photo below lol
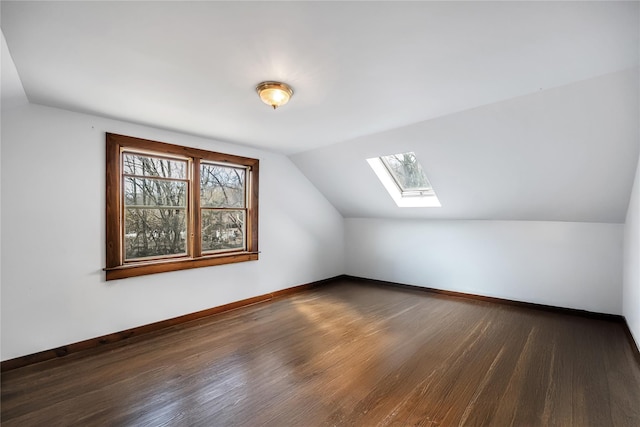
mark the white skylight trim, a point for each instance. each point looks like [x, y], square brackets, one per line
[423, 200]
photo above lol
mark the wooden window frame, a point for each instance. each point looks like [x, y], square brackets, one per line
[116, 267]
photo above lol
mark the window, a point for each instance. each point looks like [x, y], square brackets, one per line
[173, 208]
[405, 181]
[407, 174]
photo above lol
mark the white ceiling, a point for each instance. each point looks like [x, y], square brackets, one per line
[357, 68]
[517, 110]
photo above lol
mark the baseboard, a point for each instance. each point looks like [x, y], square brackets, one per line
[555, 309]
[632, 342]
[635, 349]
[121, 337]
[140, 331]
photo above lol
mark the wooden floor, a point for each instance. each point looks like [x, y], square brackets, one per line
[346, 354]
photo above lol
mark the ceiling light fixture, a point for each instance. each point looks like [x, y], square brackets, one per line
[275, 94]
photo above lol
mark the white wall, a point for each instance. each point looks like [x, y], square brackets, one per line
[574, 265]
[53, 235]
[631, 289]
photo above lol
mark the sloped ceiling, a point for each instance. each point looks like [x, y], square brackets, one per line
[517, 110]
[564, 154]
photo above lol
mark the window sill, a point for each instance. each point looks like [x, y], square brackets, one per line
[152, 267]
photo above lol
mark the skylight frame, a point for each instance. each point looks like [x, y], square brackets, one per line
[411, 191]
[403, 198]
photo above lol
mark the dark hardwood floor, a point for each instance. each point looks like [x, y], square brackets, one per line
[349, 353]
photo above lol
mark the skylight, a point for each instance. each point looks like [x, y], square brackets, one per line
[405, 180]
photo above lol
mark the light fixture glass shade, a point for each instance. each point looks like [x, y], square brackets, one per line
[274, 94]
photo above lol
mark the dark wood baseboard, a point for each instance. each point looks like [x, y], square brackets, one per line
[632, 342]
[347, 353]
[571, 311]
[139, 331]
[121, 337]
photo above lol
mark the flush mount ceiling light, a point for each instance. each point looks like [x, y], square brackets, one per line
[274, 94]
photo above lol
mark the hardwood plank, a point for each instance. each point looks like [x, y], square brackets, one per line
[348, 353]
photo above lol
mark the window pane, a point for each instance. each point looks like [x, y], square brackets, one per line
[154, 232]
[136, 164]
[154, 192]
[407, 171]
[222, 230]
[222, 186]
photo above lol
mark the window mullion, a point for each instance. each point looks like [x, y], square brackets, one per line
[248, 209]
[196, 224]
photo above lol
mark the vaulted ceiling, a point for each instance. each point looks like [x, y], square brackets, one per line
[517, 110]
